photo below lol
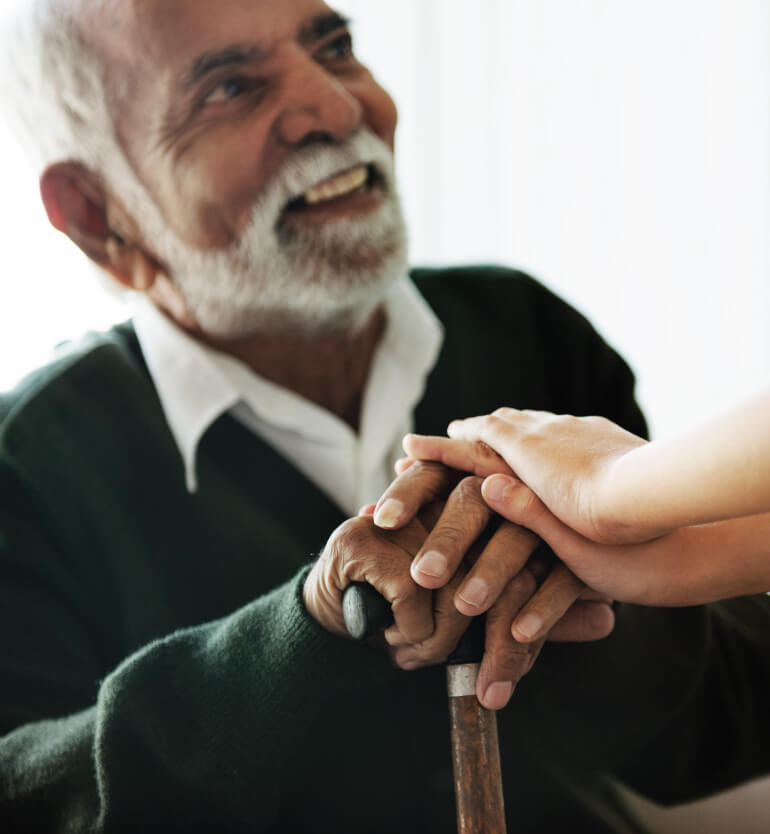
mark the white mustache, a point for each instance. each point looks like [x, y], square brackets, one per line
[310, 166]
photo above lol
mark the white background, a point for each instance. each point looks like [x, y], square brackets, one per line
[619, 150]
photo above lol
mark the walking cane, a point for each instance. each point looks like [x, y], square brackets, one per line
[473, 729]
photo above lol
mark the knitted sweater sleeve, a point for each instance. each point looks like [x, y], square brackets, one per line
[181, 735]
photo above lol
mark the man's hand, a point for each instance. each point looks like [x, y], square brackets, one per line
[502, 579]
[427, 625]
[358, 551]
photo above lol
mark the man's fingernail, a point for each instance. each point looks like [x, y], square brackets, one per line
[498, 694]
[529, 625]
[389, 513]
[474, 592]
[432, 563]
[495, 487]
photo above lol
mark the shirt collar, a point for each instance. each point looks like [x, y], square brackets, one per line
[192, 389]
[196, 384]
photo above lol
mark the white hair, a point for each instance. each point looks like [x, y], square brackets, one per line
[57, 100]
[53, 87]
[329, 276]
[62, 110]
[54, 93]
[53, 97]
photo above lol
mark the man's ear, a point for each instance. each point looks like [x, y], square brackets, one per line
[77, 205]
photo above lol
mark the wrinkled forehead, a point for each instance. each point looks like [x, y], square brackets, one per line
[157, 41]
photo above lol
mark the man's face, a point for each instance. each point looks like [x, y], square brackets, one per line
[231, 114]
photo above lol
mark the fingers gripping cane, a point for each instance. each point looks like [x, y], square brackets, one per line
[473, 729]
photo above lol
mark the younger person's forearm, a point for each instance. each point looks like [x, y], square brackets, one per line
[716, 561]
[689, 566]
[717, 471]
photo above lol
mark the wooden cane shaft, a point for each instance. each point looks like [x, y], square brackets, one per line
[475, 756]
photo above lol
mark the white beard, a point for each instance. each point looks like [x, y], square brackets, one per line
[309, 280]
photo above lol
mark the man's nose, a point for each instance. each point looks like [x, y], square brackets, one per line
[318, 105]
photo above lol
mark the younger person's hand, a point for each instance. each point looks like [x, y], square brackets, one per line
[569, 463]
[689, 566]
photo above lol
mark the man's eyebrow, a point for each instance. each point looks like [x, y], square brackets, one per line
[230, 56]
[236, 54]
[321, 26]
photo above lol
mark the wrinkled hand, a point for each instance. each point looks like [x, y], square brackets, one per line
[499, 576]
[567, 461]
[427, 626]
[357, 551]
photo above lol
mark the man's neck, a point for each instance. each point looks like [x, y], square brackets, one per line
[329, 369]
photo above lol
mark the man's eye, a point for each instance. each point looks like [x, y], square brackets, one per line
[340, 48]
[227, 90]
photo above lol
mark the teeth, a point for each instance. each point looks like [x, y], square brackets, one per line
[337, 186]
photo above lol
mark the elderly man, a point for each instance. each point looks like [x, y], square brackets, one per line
[169, 659]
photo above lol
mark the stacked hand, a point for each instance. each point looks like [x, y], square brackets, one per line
[622, 514]
[608, 504]
[570, 463]
[428, 548]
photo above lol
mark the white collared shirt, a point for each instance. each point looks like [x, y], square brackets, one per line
[197, 384]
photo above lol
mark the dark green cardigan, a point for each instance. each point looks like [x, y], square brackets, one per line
[159, 673]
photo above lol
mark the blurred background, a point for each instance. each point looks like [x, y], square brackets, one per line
[617, 150]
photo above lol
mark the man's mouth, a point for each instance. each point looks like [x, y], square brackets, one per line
[344, 185]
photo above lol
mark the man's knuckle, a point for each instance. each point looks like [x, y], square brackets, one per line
[448, 537]
[495, 564]
[510, 658]
[356, 534]
[516, 593]
[467, 502]
[470, 487]
[407, 594]
[526, 582]
[426, 470]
